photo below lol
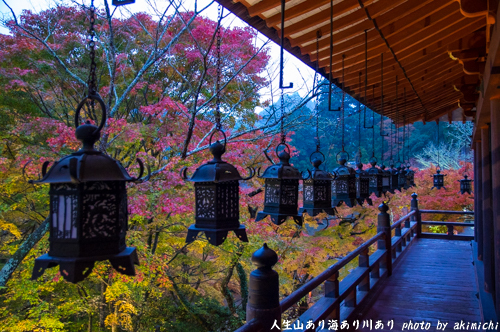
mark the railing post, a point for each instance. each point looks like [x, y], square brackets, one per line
[263, 291]
[332, 290]
[364, 261]
[450, 230]
[400, 245]
[384, 225]
[417, 216]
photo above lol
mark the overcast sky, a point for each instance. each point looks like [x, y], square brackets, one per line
[295, 71]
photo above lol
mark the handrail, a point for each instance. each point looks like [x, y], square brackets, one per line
[447, 223]
[446, 212]
[291, 299]
[253, 325]
[341, 298]
[400, 221]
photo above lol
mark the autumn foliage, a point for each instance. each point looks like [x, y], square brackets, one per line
[163, 114]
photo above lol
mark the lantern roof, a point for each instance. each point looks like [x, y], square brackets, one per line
[216, 170]
[87, 164]
[343, 169]
[318, 174]
[282, 170]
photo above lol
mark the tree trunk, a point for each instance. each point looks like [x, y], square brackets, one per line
[23, 250]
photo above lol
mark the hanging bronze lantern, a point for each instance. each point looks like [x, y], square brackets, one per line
[386, 179]
[376, 178]
[344, 184]
[281, 190]
[317, 194]
[438, 179]
[466, 185]
[401, 176]
[362, 185]
[410, 176]
[393, 178]
[217, 197]
[88, 208]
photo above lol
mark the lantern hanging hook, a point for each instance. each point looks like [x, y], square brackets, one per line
[317, 152]
[282, 86]
[93, 97]
[223, 135]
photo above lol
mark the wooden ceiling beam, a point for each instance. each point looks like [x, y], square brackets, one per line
[446, 37]
[388, 22]
[403, 51]
[376, 8]
[264, 6]
[389, 75]
[417, 79]
[305, 7]
[339, 24]
[397, 28]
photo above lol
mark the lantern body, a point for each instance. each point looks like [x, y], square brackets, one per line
[438, 180]
[386, 180]
[217, 199]
[401, 178]
[376, 179]
[87, 219]
[317, 192]
[362, 186]
[281, 192]
[393, 179]
[344, 185]
[465, 185]
[410, 177]
[88, 212]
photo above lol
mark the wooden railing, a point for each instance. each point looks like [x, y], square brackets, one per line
[341, 297]
[450, 226]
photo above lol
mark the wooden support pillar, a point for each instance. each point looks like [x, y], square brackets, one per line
[478, 200]
[263, 291]
[495, 177]
[384, 225]
[488, 258]
[416, 216]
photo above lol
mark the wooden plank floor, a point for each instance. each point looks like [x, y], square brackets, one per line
[434, 281]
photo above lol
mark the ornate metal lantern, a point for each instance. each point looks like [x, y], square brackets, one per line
[88, 209]
[386, 179]
[344, 184]
[376, 178]
[410, 176]
[401, 177]
[438, 179]
[362, 185]
[393, 178]
[217, 197]
[466, 185]
[317, 192]
[281, 190]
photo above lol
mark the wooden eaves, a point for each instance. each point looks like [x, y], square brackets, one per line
[436, 48]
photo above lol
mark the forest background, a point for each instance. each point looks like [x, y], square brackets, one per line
[156, 72]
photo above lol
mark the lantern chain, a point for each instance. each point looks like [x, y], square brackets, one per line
[91, 44]
[318, 142]
[218, 125]
[359, 115]
[438, 145]
[343, 97]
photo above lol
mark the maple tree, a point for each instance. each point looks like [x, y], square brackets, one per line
[157, 77]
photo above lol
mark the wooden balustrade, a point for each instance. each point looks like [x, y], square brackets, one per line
[342, 297]
[450, 226]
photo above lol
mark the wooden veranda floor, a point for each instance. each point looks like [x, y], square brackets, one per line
[434, 281]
